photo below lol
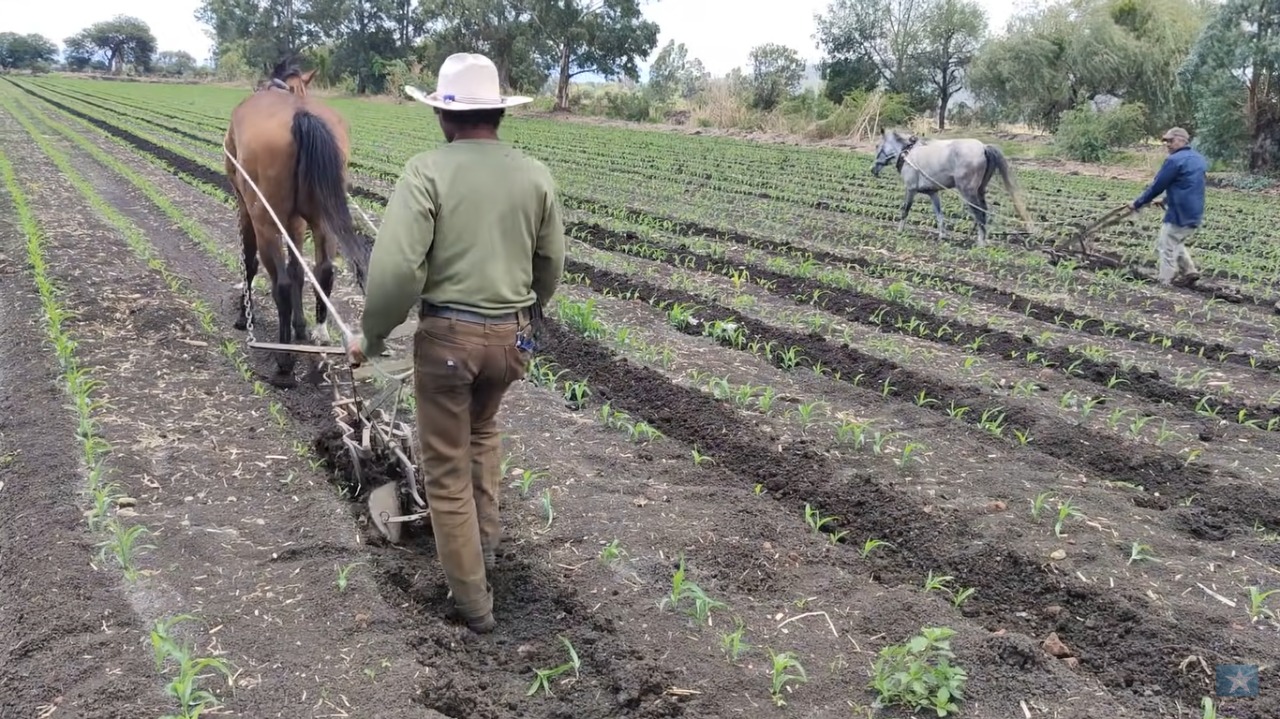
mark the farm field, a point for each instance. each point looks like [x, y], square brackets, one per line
[765, 437]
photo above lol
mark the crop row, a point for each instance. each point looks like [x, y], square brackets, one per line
[122, 541]
[802, 178]
[1033, 275]
[931, 543]
[1197, 401]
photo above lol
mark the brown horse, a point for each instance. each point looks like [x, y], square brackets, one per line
[295, 150]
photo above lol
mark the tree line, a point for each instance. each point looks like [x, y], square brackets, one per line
[1100, 72]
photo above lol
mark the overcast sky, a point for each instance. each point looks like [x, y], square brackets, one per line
[719, 32]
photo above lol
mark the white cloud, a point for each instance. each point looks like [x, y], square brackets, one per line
[719, 32]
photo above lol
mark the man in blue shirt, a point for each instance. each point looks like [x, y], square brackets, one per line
[1182, 178]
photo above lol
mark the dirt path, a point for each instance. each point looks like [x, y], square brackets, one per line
[593, 540]
[69, 636]
[247, 535]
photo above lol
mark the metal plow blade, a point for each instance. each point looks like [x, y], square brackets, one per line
[382, 449]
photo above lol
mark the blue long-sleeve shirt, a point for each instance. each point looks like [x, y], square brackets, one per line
[1182, 178]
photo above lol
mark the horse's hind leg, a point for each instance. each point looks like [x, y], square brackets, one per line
[249, 242]
[324, 272]
[276, 261]
[977, 204]
[283, 291]
[906, 209]
[297, 278]
[937, 211]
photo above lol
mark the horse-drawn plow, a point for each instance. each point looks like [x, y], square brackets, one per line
[379, 446]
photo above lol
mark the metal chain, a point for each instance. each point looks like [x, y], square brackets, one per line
[248, 311]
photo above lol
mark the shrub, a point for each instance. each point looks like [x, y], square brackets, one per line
[864, 113]
[1090, 135]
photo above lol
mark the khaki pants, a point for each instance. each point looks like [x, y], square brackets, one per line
[462, 370]
[1171, 249]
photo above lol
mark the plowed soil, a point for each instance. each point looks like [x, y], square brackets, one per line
[255, 526]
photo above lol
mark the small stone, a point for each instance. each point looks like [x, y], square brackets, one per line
[996, 506]
[126, 502]
[1071, 662]
[1058, 555]
[1055, 646]
[1053, 610]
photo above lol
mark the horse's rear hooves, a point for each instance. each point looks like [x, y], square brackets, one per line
[283, 380]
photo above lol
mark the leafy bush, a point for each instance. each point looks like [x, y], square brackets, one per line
[1090, 136]
[868, 112]
[919, 673]
[810, 105]
[627, 105]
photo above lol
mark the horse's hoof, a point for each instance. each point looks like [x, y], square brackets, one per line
[320, 335]
[314, 375]
[241, 324]
[283, 379]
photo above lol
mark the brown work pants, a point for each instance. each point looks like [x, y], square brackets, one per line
[463, 369]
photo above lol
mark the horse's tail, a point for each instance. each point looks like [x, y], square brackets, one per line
[997, 161]
[319, 179]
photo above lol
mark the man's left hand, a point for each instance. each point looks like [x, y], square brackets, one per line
[355, 351]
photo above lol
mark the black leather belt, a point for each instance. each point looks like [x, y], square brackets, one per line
[429, 310]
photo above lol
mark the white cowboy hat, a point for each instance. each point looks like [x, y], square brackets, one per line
[467, 82]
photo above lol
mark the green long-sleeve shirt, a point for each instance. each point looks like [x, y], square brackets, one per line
[473, 224]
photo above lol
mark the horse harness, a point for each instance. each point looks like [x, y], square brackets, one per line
[902, 154]
[280, 85]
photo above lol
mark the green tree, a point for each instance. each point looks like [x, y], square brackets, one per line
[501, 30]
[605, 37]
[122, 40]
[174, 62]
[1234, 72]
[673, 74]
[1054, 58]
[843, 76]
[889, 35]
[79, 55]
[953, 31]
[23, 52]
[253, 35]
[363, 35]
[776, 72]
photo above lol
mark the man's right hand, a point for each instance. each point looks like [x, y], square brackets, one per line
[355, 351]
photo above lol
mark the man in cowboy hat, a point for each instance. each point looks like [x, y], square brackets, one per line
[1182, 178]
[472, 236]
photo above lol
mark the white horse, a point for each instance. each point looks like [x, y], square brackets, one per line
[930, 166]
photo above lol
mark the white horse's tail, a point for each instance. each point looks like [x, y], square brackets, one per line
[996, 161]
